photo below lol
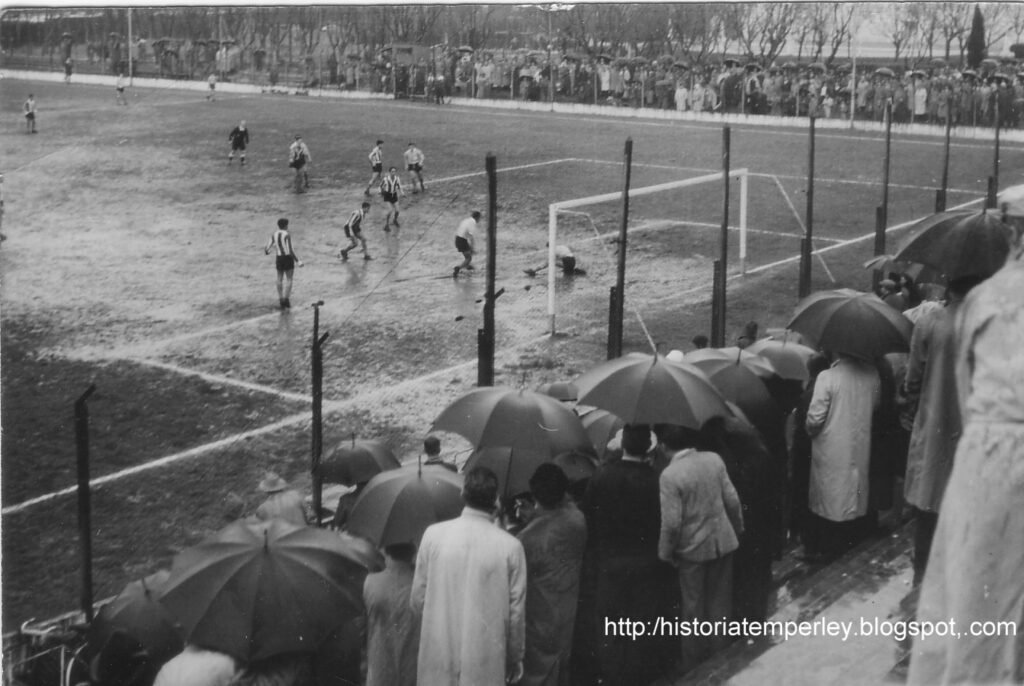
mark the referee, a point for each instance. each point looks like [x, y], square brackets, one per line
[281, 243]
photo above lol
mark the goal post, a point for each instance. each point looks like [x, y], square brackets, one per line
[567, 206]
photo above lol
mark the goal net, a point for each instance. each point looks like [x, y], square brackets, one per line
[668, 205]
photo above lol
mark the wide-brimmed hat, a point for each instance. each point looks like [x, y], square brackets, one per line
[272, 483]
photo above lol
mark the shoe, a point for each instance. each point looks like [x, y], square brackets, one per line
[287, 303]
[387, 228]
[281, 303]
[470, 268]
[367, 257]
[344, 255]
[455, 273]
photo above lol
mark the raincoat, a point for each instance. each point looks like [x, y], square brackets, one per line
[839, 424]
[393, 629]
[931, 386]
[470, 586]
[554, 542]
[974, 572]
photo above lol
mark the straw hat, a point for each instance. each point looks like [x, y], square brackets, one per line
[272, 483]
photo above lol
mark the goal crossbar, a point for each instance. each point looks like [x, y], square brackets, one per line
[564, 205]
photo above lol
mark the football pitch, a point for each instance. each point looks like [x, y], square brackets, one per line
[134, 260]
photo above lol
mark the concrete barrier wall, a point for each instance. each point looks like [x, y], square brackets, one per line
[926, 130]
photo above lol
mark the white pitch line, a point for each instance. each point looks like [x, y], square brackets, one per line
[225, 380]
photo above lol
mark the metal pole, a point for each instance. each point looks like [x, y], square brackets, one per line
[620, 271]
[724, 233]
[485, 345]
[995, 160]
[805, 245]
[84, 498]
[318, 399]
[614, 347]
[717, 334]
[131, 70]
[880, 238]
[879, 242]
[940, 201]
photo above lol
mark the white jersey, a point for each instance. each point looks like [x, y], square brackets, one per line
[466, 229]
[414, 156]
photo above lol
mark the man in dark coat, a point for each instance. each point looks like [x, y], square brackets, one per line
[624, 520]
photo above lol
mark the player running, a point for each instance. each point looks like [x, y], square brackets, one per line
[414, 163]
[354, 233]
[465, 242]
[390, 189]
[239, 138]
[286, 259]
[377, 164]
[298, 158]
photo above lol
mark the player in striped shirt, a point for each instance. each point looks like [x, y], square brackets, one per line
[377, 164]
[414, 163]
[354, 233]
[286, 259]
[390, 188]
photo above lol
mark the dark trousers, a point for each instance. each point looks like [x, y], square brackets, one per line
[825, 537]
[706, 591]
[924, 531]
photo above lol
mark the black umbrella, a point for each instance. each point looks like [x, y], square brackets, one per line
[885, 71]
[963, 243]
[846, 321]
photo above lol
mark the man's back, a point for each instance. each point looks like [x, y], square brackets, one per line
[470, 585]
[393, 629]
[622, 511]
[699, 505]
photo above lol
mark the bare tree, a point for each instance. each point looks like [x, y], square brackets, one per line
[954, 23]
[697, 28]
[997, 23]
[761, 29]
[898, 21]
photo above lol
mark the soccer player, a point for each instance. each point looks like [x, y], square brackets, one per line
[121, 100]
[565, 259]
[464, 242]
[69, 66]
[281, 243]
[30, 114]
[354, 232]
[239, 138]
[298, 158]
[390, 188]
[377, 164]
[212, 80]
[414, 163]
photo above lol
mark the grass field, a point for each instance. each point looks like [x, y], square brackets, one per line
[134, 261]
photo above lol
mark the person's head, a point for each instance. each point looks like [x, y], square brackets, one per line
[700, 341]
[411, 144]
[886, 287]
[678, 438]
[475, 215]
[30, 96]
[548, 485]
[392, 170]
[380, 143]
[282, 224]
[480, 489]
[242, 123]
[298, 137]
[402, 552]
[636, 440]
[272, 483]
[432, 446]
[366, 206]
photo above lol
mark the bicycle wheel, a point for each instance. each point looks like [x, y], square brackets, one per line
[76, 673]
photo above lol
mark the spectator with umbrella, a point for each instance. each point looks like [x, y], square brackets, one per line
[353, 463]
[282, 502]
[554, 542]
[392, 627]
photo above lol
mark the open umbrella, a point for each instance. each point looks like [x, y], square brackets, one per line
[989, 62]
[962, 243]
[970, 73]
[353, 462]
[559, 390]
[851, 322]
[254, 591]
[512, 467]
[918, 74]
[753, 66]
[817, 66]
[738, 383]
[465, 48]
[137, 614]
[535, 425]
[648, 389]
[680, 65]
[712, 359]
[731, 62]
[398, 505]
[885, 71]
[937, 62]
[601, 426]
[788, 357]
[919, 272]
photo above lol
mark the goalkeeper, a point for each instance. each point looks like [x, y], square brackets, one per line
[565, 259]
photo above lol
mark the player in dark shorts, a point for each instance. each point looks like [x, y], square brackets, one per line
[239, 138]
[354, 233]
[414, 158]
[465, 242]
[390, 189]
[286, 260]
[377, 165]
